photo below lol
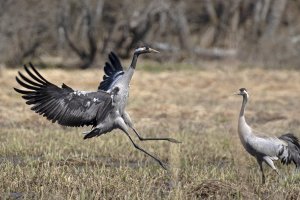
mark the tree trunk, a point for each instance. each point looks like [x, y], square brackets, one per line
[274, 17]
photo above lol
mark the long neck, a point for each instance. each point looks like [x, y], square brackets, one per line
[244, 129]
[134, 60]
[245, 99]
[129, 73]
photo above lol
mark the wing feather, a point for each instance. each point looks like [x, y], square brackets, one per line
[113, 71]
[62, 105]
[33, 76]
[268, 146]
[28, 80]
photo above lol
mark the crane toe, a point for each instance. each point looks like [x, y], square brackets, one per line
[174, 140]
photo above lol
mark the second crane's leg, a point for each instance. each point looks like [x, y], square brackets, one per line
[128, 121]
[261, 170]
[123, 127]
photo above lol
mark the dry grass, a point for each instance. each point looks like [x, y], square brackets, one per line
[41, 160]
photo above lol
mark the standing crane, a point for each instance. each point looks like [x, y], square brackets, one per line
[104, 109]
[264, 148]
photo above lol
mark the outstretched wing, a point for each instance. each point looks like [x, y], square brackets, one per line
[63, 105]
[113, 71]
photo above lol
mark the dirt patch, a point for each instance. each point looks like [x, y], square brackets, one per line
[216, 189]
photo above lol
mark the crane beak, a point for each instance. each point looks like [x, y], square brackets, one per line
[153, 50]
[237, 93]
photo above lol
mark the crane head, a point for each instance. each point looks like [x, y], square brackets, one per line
[243, 92]
[145, 49]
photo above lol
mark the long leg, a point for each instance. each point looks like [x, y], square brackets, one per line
[123, 127]
[144, 139]
[127, 120]
[261, 170]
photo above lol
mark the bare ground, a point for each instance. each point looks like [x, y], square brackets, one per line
[41, 160]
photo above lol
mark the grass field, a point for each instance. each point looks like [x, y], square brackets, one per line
[41, 160]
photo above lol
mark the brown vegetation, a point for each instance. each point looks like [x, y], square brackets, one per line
[46, 161]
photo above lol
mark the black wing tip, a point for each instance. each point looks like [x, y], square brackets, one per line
[27, 85]
[115, 57]
[293, 149]
[25, 67]
[112, 53]
[112, 68]
[46, 99]
[18, 90]
[25, 92]
[115, 61]
[18, 80]
[31, 66]
[34, 73]
[290, 137]
[34, 69]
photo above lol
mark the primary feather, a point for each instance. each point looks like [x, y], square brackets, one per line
[292, 149]
[113, 71]
[63, 105]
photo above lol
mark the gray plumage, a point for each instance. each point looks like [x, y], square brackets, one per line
[103, 109]
[267, 149]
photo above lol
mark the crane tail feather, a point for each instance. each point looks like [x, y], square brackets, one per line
[293, 148]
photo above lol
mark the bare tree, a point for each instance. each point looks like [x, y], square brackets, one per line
[25, 31]
[88, 25]
[88, 29]
[182, 27]
[275, 16]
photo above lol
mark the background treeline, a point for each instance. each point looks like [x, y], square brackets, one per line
[79, 33]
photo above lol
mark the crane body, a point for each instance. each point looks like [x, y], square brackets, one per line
[104, 109]
[264, 148]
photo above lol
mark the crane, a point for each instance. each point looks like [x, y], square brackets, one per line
[104, 109]
[264, 148]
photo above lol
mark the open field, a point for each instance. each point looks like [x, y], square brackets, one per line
[42, 160]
